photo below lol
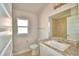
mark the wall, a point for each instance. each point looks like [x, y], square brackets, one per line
[44, 18]
[21, 42]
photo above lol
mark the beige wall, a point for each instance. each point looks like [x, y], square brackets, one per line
[21, 42]
[43, 19]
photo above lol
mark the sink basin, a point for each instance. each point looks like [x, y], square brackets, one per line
[33, 46]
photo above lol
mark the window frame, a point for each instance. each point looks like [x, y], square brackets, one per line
[22, 26]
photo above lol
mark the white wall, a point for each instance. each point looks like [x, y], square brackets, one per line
[44, 18]
[20, 41]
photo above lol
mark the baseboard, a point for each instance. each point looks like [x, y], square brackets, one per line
[21, 52]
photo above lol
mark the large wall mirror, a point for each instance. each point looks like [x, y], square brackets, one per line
[65, 29]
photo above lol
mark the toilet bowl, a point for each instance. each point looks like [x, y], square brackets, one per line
[35, 49]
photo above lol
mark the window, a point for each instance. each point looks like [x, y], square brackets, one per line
[22, 26]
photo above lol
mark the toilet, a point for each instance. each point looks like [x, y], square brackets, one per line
[35, 49]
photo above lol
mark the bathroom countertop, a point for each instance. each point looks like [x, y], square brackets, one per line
[70, 51]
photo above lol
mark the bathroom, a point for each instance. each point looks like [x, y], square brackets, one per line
[39, 29]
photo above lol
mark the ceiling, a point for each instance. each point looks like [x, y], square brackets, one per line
[30, 7]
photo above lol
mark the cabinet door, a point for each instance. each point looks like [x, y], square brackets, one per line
[47, 51]
[73, 27]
